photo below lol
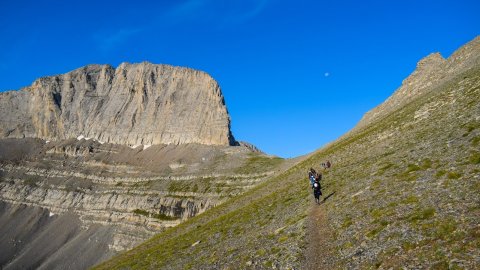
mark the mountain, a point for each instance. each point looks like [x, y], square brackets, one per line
[134, 104]
[402, 192]
[98, 160]
[431, 73]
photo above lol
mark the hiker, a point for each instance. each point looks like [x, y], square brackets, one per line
[328, 164]
[312, 174]
[317, 189]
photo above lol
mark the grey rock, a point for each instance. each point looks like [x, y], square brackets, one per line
[431, 72]
[133, 104]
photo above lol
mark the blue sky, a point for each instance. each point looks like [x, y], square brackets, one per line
[295, 74]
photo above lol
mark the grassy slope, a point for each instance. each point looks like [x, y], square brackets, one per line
[408, 186]
[405, 194]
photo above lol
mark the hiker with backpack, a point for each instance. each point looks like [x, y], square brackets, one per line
[312, 174]
[315, 178]
[326, 165]
[317, 189]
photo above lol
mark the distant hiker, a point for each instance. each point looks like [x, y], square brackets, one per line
[312, 174]
[317, 190]
[326, 165]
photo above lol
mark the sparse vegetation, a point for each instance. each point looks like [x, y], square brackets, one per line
[475, 141]
[396, 201]
[412, 168]
[474, 158]
[426, 164]
[31, 181]
[421, 214]
[385, 168]
[453, 175]
[257, 163]
[412, 199]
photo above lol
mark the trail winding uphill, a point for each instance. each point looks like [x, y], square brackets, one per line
[320, 250]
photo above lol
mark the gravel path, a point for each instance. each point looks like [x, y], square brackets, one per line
[320, 252]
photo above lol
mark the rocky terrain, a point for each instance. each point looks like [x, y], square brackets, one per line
[403, 192]
[431, 72]
[133, 104]
[98, 160]
[125, 194]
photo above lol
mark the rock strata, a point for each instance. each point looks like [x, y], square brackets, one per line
[118, 196]
[133, 104]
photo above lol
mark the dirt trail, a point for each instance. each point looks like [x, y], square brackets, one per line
[320, 252]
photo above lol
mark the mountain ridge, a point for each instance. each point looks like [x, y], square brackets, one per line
[431, 70]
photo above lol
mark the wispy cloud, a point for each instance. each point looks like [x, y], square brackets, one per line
[187, 10]
[214, 13]
[218, 11]
[115, 38]
[255, 10]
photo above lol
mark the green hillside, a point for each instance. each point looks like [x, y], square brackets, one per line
[403, 192]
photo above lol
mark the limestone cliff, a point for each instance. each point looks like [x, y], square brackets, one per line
[131, 105]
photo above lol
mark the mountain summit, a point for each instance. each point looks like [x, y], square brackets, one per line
[431, 71]
[132, 104]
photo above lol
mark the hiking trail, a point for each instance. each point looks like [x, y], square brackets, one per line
[320, 251]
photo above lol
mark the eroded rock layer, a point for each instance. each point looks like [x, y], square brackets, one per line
[107, 198]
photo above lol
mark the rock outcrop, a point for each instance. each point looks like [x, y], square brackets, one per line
[431, 71]
[134, 104]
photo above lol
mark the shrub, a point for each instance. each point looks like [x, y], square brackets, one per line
[426, 164]
[411, 199]
[422, 214]
[412, 168]
[453, 175]
[475, 158]
[475, 141]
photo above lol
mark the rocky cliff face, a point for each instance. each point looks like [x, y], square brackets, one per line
[134, 104]
[431, 72]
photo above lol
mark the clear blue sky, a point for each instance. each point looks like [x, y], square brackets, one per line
[295, 74]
